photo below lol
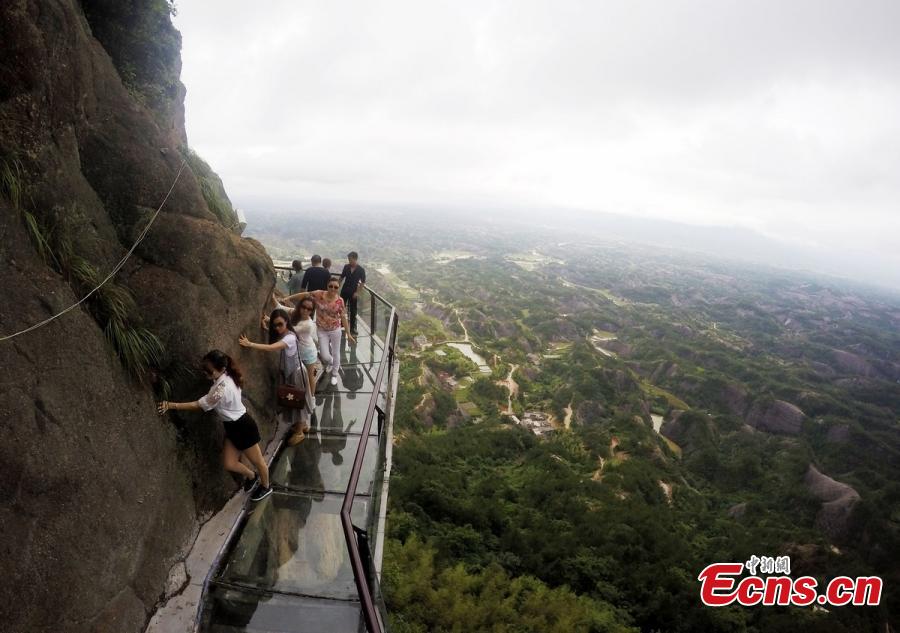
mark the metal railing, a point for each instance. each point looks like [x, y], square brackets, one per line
[284, 273]
[351, 533]
[357, 539]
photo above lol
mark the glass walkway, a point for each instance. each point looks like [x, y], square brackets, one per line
[291, 565]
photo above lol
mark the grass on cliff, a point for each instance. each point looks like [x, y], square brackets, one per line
[112, 305]
[143, 45]
[211, 188]
[12, 186]
[11, 176]
[138, 348]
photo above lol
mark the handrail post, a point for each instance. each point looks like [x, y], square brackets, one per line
[362, 539]
[372, 318]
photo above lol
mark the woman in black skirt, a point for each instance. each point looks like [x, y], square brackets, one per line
[241, 432]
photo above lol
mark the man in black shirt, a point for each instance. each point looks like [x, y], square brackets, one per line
[316, 277]
[354, 278]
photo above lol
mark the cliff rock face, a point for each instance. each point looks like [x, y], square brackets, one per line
[849, 363]
[776, 416]
[838, 500]
[100, 495]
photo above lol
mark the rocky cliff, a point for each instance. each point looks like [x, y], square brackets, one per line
[838, 500]
[100, 495]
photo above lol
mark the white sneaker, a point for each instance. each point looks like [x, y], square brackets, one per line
[334, 380]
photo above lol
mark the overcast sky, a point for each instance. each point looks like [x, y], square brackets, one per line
[780, 116]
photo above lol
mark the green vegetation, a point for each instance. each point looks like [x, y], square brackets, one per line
[428, 599]
[211, 187]
[112, 305]
[610, 511]
[421, 325]
[486, 498]
[11, 176]
[143, 45]
[12, 187]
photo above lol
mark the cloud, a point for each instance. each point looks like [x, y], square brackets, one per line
[770, 115]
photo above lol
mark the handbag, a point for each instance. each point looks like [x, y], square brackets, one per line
[290, 396]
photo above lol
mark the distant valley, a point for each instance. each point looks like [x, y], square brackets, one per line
[595, 421]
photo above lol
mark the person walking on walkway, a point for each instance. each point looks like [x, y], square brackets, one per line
[295, 283]
[241, 432]
[283, 339]
[315, 278]
[330, 316]
[354, 278]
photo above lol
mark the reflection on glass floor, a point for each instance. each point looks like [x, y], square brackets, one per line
[230, 610]
[367, 349]
[322, 462]
[293, 543]
[337, 412]
[288, 569]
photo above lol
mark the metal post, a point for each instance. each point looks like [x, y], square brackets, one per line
[362, 538]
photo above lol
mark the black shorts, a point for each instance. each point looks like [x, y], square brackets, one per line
[243, 432]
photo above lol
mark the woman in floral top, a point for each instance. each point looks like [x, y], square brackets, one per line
[330, 316]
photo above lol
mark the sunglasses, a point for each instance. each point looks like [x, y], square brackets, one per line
[279, 324]
[334, 287]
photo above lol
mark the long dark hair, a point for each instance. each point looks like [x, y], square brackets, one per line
[295, 316]
[222, 361]
[279, 313]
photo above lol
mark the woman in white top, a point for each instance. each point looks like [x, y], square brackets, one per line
[305, 328]
[241, 431]
[330, 316]
[283, 338]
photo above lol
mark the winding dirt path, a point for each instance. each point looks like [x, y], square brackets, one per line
[512, 386]
[462, 325]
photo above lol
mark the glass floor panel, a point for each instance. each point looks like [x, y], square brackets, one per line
[337, 412]
[229, 610]
[366, 350]
[294, 543]
[354, 380]
[323, 461]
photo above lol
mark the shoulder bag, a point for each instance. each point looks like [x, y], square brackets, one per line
[290, 396]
